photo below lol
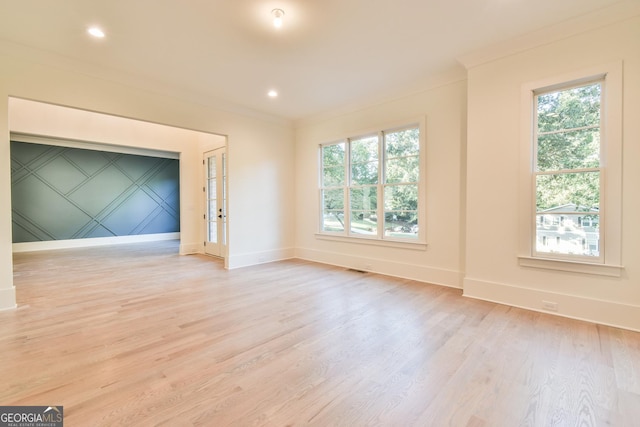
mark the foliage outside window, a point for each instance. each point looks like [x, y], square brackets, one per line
[369, 185]
[567, 171]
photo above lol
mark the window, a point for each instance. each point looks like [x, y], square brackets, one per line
[571, 177]
[567, 173]
[369, 186]
[333, 183]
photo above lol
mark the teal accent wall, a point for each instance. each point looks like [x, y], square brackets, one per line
[60, 193]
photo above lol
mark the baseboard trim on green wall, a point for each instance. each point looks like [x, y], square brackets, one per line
[99, 241]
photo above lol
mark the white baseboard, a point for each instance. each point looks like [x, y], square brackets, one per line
[99, 241]
[575, 307]
[8, 298]
[263, 257]
[421, 273]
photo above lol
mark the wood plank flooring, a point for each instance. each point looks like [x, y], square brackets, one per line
[138, 335]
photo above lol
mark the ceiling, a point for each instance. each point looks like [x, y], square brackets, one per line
[328, 55]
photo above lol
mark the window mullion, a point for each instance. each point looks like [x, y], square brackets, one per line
[566, 171]
[556, 132]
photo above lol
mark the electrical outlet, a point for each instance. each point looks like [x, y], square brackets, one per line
[549, 305]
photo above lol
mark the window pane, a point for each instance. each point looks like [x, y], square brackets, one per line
[401, 197]
[364, 173]
[569, 150]
[333, 199]
[333, 158]
[576, 234]
[364, 160]
[569, 192]
[402, 143]
[364, 149]
[364, 222]
[403, 224]
[569, 109]
[401, 207]
[211, 163]
[333, 176]
[364, 198]
[213, 231]
[333, 221]
[333, 155]
[402, 169]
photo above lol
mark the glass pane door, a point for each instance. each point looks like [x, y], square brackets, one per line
[215, 196]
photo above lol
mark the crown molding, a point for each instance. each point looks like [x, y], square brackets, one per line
[147, 84]
[618, 12]
[452, 75]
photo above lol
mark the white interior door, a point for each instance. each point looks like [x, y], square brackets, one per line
[216, 202]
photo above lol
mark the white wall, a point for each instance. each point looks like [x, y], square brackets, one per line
[442, 261]
[260, 151]
[492, 269]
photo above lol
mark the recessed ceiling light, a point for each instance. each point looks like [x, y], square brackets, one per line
[272, 94]
[96, 32]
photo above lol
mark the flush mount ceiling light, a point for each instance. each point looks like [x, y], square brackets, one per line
[272, 94]
[277, 17]
[96, 32]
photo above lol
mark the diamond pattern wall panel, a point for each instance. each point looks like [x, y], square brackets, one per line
[60, 193]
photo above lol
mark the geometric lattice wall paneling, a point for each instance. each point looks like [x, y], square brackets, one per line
[60, 193]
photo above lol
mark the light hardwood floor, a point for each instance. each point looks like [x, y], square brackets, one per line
[138, 335]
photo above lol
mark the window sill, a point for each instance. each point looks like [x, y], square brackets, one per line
[571, 266]
[418, 246]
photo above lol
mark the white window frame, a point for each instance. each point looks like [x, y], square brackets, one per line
[380, 239]
[609, 262]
